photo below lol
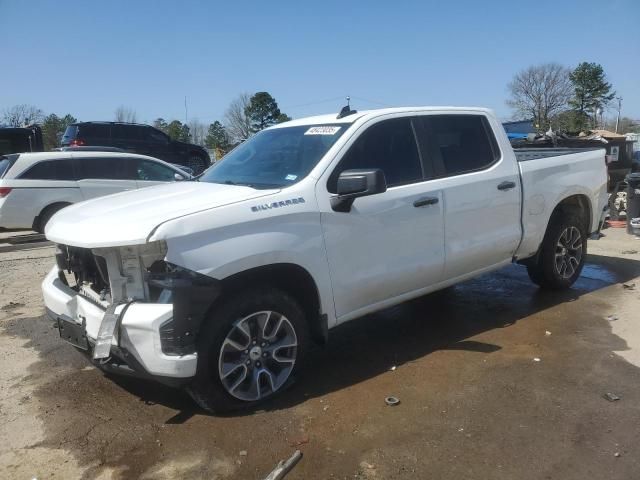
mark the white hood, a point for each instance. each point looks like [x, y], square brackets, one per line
[128, 218]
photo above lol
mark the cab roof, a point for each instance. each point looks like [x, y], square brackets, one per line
[331, 118]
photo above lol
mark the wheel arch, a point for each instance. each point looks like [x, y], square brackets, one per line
[37, 221]
[578, 204]
[291, 278]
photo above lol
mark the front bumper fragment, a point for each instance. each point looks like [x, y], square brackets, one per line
[139, 342]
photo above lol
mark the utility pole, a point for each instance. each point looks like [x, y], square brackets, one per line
[186, 116]
[619, 108]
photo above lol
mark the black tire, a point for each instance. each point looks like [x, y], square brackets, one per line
[207, 388]
[548, 271]
[197, 164]
[46, 215]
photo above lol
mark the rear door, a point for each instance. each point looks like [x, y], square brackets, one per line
[104, 175]
[481, 189]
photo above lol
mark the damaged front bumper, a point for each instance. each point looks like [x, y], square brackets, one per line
[152, 340]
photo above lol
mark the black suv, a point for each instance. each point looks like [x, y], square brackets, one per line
[137, 138]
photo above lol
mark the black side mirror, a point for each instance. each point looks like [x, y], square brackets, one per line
[357, 183]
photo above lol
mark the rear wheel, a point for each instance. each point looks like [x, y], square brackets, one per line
[46, 215]
[563, 253]
[250, 350]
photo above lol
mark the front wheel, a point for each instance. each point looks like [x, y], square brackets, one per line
[250, 349]
[562, 255]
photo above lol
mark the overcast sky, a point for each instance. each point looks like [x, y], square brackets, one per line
[88, 57]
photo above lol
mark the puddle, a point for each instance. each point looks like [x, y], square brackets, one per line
[598, 272]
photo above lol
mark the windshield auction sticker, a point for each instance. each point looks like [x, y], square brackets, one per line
[323, 130]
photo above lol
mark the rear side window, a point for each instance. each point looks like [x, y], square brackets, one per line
[92, 132]
[152, 171]
[5, 163]
[390, 146]
[129, 132]
[107, 168]
[460, 143]
[69, 134]
[50, 170]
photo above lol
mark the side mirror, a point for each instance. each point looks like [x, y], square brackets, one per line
[177, 177]
[357, 183]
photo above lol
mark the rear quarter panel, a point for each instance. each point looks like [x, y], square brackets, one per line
[29, 197]
[548, 181]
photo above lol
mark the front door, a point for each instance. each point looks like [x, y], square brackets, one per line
[390, 244]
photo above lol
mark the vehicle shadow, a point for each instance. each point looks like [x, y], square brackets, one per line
[445, 320]
[369, 346]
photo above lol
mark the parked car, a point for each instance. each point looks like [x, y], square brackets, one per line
[21, 139]
[220, 285]
[137, 138]
[34, 186]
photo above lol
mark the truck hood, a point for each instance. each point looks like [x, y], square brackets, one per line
[128, 218]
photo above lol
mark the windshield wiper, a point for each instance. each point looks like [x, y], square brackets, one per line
[243, 184]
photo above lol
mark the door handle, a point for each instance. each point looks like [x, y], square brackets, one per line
[424, 201]
[507, 185]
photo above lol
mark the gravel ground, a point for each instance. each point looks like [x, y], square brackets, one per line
[475, 403]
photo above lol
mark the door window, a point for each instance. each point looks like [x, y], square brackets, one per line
[152, 171]
[155, 136]
[108, 168]
[389, 145]
[459, 143]
[50, 170]
[93, 132]
[127, 133]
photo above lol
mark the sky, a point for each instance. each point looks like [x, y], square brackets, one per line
[89, 57]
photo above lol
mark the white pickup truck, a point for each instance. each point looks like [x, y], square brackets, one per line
[220, 284]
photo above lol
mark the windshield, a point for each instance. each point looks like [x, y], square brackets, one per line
[275, 158]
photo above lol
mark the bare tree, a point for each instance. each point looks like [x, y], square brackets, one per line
[540, 92]
[198, 132]
[21, 115]
[237, 123]
[125, 114]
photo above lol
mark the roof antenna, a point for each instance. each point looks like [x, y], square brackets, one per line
[346, 110]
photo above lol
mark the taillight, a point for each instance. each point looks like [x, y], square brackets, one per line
[4, 191]
[76, 143]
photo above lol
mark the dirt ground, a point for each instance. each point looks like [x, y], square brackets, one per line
[496, 380]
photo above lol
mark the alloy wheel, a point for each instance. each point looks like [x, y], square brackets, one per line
[257, 355]
[568, 252]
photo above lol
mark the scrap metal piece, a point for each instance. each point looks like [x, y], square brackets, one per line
[392, 401]
[612, 397]
[284, 467]
[102, 348]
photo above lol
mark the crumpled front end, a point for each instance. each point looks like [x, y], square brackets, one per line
[128, 309]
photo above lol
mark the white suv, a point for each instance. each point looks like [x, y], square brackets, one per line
[34, 186]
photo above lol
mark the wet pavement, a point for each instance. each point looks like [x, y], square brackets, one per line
[475, 402]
